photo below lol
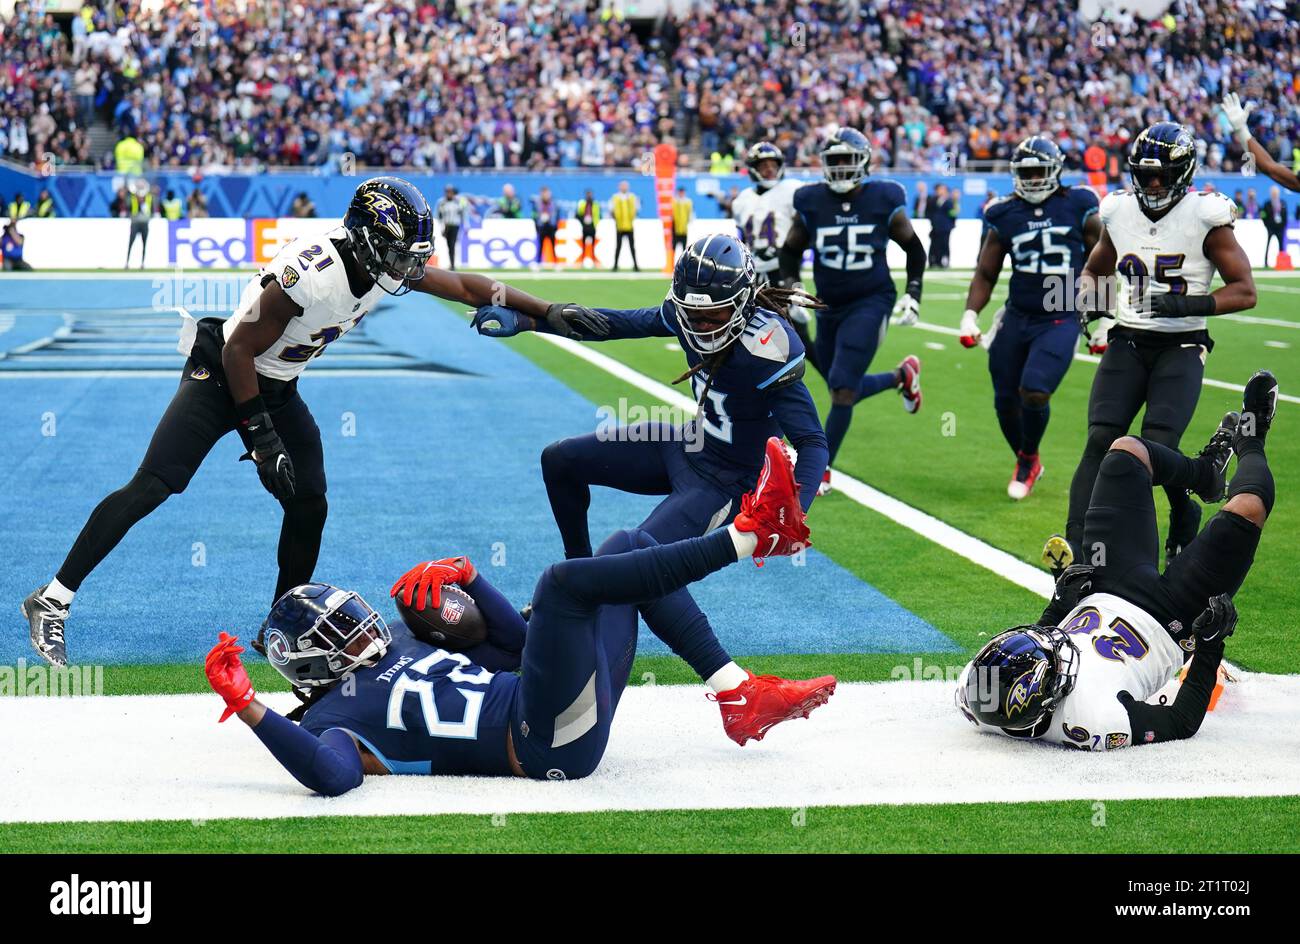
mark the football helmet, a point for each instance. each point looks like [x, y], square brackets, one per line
[390, 228]
[1161, 164]
[714, 291]
[1036, 168]
[765, 151]
[315, 634]
[846, 159]
[1018, 679]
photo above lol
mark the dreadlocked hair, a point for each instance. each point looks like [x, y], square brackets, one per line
[771, 297]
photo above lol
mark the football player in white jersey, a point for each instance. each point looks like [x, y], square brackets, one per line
[763, 214]
[242, 375]
[1165, 243]
[1115, 634]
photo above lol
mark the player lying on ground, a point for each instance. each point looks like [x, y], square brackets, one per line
[848, 221]
[242, 375]
[1048, 230]
[383, 703]
[746, 366]
[1114, 634]
[1165, 243]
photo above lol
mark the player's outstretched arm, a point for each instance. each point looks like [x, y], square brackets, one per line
[1238, 116]
[988, 267]
[908, 308]
[330, 764]
[574, 322]
[1152, 724]
[470, 288]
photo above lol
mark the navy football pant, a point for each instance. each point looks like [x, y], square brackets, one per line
[582, 639]
[1028, 359]
[848, 337]
[646, 459]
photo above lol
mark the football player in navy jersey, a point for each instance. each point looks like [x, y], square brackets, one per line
[746, 366]
[848, 221]
[1049, 230]
[378, 701]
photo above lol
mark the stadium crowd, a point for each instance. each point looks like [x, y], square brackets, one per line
[500, 83]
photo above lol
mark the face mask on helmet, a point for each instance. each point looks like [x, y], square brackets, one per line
[844, 168]
[394, 267]
[1156, 185]
[1035, 179]
[313, 646]
[1019, 678]
[766, 173]
[709, 326]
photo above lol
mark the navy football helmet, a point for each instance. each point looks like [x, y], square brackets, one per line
[846, 159]
[315, 634]
[390, 227]
[764, 151]
[1036, 168]
[714, 291]
[1018, 679]
[1161, 164]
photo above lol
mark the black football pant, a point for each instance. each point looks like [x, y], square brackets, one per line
[1165, 373]
[620, 236]
[451, 234]
[202, 412]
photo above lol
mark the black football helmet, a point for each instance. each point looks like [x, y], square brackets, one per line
[765, 151]
[315, 634]
[846, 159]
[390, 228]
[1018, 679]
[1161, 164]
[714, 292]
[1036, 168]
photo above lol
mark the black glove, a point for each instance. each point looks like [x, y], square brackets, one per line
[1074, 584]
[274, 467]
[1170, 305]
[1217, 621]
[570, 320]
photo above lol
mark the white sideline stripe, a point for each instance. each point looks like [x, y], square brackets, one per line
[1094, 359]
[959, 542]
[144, 757]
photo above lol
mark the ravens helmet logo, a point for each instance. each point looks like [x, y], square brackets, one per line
[384, 211]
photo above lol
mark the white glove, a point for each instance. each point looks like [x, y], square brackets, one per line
[1237, 115]
[798, 313]
[970, 328]
[1100, 339]
[906, 310]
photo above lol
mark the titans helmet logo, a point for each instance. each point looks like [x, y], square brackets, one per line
[277, 647]
[384, 210]
[1024, 688]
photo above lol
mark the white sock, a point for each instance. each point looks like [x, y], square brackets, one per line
[745, 544]
[726, 678]
[59, 593]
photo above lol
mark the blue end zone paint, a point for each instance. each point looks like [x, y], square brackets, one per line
[439, 464]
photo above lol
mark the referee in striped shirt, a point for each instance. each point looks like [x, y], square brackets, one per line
[451, 213]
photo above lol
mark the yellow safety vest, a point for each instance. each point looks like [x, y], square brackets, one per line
[595, 211]
[624, 207]
[682, 210]
[19, 209]
[172, 209]
[128, 155]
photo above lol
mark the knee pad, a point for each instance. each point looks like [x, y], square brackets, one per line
[1100, 438]
[307, 513]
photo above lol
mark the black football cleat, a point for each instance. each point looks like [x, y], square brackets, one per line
[1258, 405]
[1216, 454]
[45, 618]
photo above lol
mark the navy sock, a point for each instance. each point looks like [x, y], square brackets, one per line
[1009, 420]
[837, 427]
[1033, 421]
[1253, 476]
[873, 384]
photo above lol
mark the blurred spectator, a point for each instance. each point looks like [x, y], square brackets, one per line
[725, 200]
[128, 156]
[1251, 209]
[921, 205]
[942, 213]
[172, 207]
[623, 207]
[546, 219]
[302, 207]
[142, 207]
[196, 204]
[1273, 213]
[588, 216]
[45, 205]
[19, 207]
[11, 249]
[508, 206]
[451, 210]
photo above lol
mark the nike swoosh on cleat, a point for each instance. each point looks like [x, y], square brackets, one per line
[743, 701]
[776, 539]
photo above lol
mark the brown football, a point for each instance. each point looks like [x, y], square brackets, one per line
[455, 625]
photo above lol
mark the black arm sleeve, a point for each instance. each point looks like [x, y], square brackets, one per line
[915, 250]
[1155, 723]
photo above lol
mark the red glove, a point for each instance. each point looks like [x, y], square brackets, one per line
[425, 581]
[227, 676]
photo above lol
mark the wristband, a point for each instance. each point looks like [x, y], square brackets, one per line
[249, 408]
[914, 288]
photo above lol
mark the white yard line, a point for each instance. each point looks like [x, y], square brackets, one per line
[165, 757]
[926, 525]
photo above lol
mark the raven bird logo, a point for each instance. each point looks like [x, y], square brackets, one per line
[1024, 688]
[384, 210]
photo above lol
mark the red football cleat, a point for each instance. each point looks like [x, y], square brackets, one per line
[755, 706]
[910, 388]
[1028, 471]
[825, 487]
[771, 512]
